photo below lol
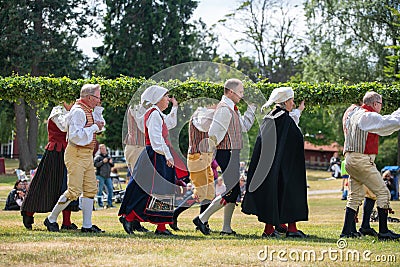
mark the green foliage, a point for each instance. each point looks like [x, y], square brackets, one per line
[387, 152]
[144, 37]
[348, 39]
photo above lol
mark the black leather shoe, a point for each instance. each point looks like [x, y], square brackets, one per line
[388, 236]
[69, 227]
[227, 233]
[93, 229]
[52, 227]
[351, 235]
[127, 225]
[298, 234]
[368, 231]
[166, 232]
[274, 234]
[136, 226]
[280, 229]
[174, 226]
[202, 227]
[27, 221]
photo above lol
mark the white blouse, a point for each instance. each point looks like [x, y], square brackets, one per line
[154, 126]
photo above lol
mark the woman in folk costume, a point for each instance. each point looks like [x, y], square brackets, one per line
[50, 179]
[276, 190]
[150, 193]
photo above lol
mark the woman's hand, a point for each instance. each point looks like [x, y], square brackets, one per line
[170, 163]
[174, 102]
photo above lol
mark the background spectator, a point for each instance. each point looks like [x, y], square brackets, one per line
[16, 196]
[220, 187]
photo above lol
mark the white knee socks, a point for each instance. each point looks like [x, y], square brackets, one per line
[228, 212]
[87, 209]
[214, 207]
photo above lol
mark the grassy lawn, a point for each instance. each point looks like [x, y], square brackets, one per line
[189, 247]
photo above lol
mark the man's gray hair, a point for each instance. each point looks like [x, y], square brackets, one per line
[89, 89]
[371, 97]
[232, 84]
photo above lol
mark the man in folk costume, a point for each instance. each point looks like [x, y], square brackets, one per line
[276, 189]
[199, 160]
[363, 126]
[157, 167]
[82, 125]
[50, 179]
[226, 133]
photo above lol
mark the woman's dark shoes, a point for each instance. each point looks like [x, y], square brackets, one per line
[165, 232]
[174, 225]
[69, 227]
[93, 229]
[127, 225]
[27, 221]
[280, 229]
[298, 234]
[368, 231]
[136, 226]
[274, 234]
[388, 236]
[52, 227]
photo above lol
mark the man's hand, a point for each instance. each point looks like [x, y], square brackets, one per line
[99, 124]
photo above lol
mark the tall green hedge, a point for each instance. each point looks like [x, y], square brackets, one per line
[119, 91]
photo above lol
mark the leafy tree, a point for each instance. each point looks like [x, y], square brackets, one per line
[271, 36]
[348, 39]
[143, 37]
[40, 37]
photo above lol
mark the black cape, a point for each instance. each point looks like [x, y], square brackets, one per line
[276, 188]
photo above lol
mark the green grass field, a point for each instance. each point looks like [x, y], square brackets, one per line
[19, 247]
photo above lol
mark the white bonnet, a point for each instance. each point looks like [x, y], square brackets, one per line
[152, 95]
[279, 95]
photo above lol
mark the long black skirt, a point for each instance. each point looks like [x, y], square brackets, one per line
[150, 177]
[49, 182]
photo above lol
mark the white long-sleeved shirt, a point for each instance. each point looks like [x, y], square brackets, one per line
[154, 125]
[77, 133]
[295, 115]
[59, 116]
[382, 125]
[222, 119]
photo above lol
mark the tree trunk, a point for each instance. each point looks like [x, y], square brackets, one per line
[33, 133]
[22, 141]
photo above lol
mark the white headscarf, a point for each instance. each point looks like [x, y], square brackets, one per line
[152, 95]
[279, 95]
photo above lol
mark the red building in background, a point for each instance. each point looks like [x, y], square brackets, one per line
[318, 157]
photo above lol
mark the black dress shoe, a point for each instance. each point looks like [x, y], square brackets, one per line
[93, 229]
[274, 234]
[27, 221]
[69, 227]
[280, 229]
[174, 226]
[165, 232]
[227, 233]
[368, 231]
[136, 226]
[202, 227]
[52, 227]
[298, 234]
[388, 236]
[127, 225]
[351, 235]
